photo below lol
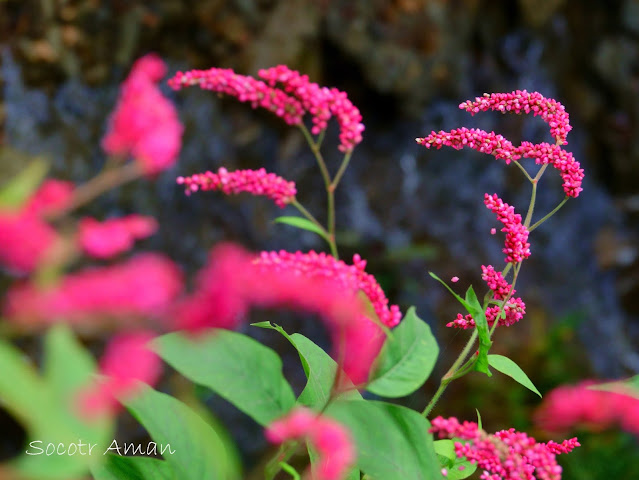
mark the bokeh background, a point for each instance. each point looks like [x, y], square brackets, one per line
[407, 64]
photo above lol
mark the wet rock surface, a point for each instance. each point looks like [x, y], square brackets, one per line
[406, 64]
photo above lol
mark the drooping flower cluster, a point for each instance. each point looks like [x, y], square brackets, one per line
[297, 97]
[520, 101]
[25, 237]
[505, 455]
[551, 111]
[350, 277]
[140, 287]
[233, 282]
[144, 123]
[116, 235]
[569, 407]
[331, 440]
[516, 246]
[321, 103]
[255, 182]
[127, 361]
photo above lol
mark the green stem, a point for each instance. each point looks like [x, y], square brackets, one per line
[451, 374]
[533, 197]
[554, 210]
[342, 169]
[273, 467]
[521, 167]
[318, 156]
[290, 470]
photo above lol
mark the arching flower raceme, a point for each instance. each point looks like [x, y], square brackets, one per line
[234, 281]
[116, 235]
[520, 101]
[569, 407]
[296, 97]
[144, 286]
[504, 455]
[331, 440]
[127, 361]
[255, 182]
[144, 123]
[25, 237]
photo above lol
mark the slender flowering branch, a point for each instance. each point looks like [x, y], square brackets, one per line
[517, 247]
[520, 101]
[255, 182]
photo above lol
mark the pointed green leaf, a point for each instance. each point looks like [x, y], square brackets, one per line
[476, 310]
[506, 366]
[18, 190]
[116, 467]
[629, 386]
[303, 224]
[406, 360]
[393, 442]
[187, 443]
[45, 405]
[236, 367]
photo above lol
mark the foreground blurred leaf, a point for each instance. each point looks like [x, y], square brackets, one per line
[236, 367]
[116, 467]
[192, 449]
[45, 405]
[18, 190]
[406, 360]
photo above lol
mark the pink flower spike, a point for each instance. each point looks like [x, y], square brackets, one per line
[479, 140]
[517, 247]
[127, 361]
[25, 237]
[255, 182]
[520, 101]
[144, 286]
[111, 237]
[331, 440]
[144, 123]
[507, 454]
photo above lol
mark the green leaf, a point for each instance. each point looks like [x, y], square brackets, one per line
[476, 310]
[132, 468]
[236, 367]
[629, 386]
[461, 469]
[406, 360]
[506, 366]
[392, 441]
[188, 444]
[457, 468]
[318, 366]
[18, 190]
[45, 405]
[478, 419]
[303, 224]
[459, 299]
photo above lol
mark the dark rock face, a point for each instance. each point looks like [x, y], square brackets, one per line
[407, 64]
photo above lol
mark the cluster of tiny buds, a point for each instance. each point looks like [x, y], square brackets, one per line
[516, 246]
[521, 101]
[255, 182]
[297, 97]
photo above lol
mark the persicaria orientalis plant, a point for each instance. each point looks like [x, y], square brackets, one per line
[375, 348]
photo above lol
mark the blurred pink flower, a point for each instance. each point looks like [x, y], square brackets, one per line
[505, 455]
[127, 361]
[111, 237]
[234, 281]
[140, 287]
[331, 440]
[255, 182]
[570, 407]
[144, 123]
[25, 237]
